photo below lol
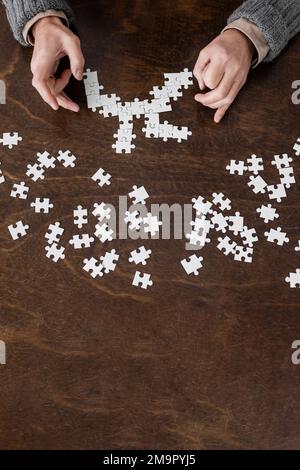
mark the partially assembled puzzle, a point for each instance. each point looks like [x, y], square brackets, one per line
[150, 109]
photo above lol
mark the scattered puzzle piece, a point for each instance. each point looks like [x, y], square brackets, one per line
[201, 206]
[104, 233]
[142, 280]
[268, 213]
[277, 236]
[81, 241]
[235, 223]
[35, 172]
[297, 148]
[243, 254]
[192, 265]
[226, 245]
[46, 160]
[151, 224]
[93, 267]
[255, 164]
[140, 255]
[54, 233]
[66, 158]
[201, 224]
[101, 211]
[133, 219]
[42, 205]
[102, 177]
[18, 230]
[10, 139]
[198, 239]
[282, 161]
[257, 184]
[287, 177]
[55, 252]
[138, 195]
[294, 279]
[277, 192]
[249, 236]
[219, 222]
[220, 200]
[109, 261]
[236, 167]
[80, 216]
[20, 190]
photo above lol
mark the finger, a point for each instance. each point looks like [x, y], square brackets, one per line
[74, 52]
[62, 81]
[224, 105]
[219, 93]
[214, 73]
[236, 86]
[220, 113]
[44, 90]
[65, 102]
[201, 63]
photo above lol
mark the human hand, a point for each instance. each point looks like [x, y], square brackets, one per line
[223, 67]
[52, 42]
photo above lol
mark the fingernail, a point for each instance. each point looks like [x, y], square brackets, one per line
[78, 74]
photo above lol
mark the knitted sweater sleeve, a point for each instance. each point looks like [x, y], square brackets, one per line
[19, 12]
[279, 21]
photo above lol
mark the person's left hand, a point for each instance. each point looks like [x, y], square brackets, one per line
[53, 41]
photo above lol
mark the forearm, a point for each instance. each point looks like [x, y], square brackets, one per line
[278, 20]
[20, 12]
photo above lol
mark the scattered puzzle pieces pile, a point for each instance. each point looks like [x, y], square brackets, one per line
[214, 215]
[36, 171]
[277, 193]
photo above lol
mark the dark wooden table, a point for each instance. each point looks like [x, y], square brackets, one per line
[194, 362]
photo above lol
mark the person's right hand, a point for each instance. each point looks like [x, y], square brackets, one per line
[52, 42]
[222, 68]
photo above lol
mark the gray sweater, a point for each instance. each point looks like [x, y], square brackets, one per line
[279, 20]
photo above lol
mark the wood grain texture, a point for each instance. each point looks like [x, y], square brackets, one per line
[193, 363]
